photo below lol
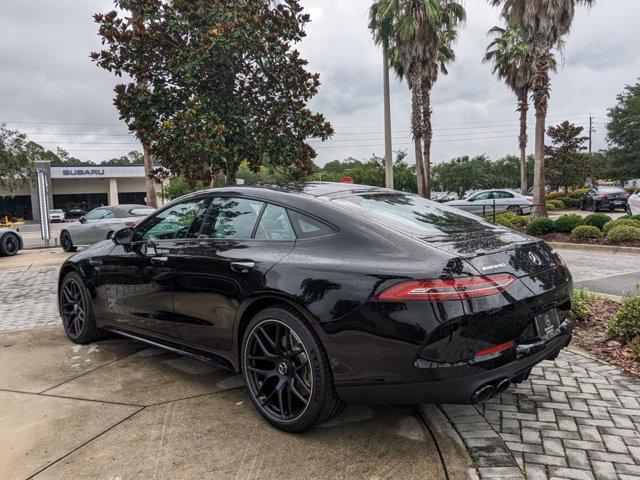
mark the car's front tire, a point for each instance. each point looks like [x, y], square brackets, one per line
[9, 245]
[66, 242]
[76, 310]
[287, 371]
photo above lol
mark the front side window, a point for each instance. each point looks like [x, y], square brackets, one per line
[99, 214]
[415, 214]
[274, 225]
[231, 218]
[175, 222]
[481, 196]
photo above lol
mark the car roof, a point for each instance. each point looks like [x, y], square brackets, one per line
[123, 210]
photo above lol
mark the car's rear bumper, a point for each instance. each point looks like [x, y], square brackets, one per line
[457, 390]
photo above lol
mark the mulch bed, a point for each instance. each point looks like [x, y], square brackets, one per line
[589, 336]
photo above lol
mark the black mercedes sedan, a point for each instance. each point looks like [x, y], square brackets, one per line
[322, 294]
[604, 198]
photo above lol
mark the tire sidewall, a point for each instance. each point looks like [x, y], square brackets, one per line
[321, 378]
[88, 326]
[66, 246]
[3, 250]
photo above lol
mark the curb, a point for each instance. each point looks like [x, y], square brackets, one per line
[587, 247]
[456, 461]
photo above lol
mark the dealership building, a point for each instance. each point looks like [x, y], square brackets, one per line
[80, 188]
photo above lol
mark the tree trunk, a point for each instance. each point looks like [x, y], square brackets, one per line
[152, 199]
[388, 149]
[416, 130]
[523, 108]
[540, 82]
[427, 132]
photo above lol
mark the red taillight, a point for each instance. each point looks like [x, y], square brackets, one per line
[530, 200]
[559, 261]
[604, 197]
[496, 349]
[131, 224]
[448, 289]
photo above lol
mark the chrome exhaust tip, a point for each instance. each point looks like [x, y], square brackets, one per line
[483, 394]
[502, 386]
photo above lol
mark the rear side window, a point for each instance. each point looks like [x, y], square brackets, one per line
[307, 227]
[233, 218]
[275, 225]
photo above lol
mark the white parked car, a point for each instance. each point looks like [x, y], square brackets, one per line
[481, 203]
[633, 204]
[100, 224]
[56, 215]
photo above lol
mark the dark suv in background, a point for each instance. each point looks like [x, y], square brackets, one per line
[603, 198]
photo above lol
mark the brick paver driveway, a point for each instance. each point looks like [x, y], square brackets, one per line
[574, 418]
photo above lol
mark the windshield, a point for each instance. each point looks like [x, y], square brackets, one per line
[55, 211]
[422, 217]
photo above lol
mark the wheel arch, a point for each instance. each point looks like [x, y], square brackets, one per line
[252, 306]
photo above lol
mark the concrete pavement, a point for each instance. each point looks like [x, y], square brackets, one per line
[119, 410]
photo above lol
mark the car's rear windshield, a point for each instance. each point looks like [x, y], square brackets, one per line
[141, 212]
[610, 190]
[418, 216]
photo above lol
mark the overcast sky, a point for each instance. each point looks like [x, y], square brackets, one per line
[50, 89]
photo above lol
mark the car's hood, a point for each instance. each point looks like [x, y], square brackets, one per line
[498, 251]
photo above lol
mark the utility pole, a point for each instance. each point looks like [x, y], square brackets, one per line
[590, 134]
[388, 149]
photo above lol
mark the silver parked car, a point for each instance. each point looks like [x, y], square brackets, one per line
[10, 242]
[100, 224]
[56, 215]
[633, 204]
[505, 200]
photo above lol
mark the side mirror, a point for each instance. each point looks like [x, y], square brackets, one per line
[82, 219]
[123, 237]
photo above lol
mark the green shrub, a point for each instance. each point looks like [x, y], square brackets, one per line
[626, 322]
[636, 217]
[585, 232]
[567, 223]
[551, 207]
[554, 195]
[540, 226]
[580, 305]
[620, 222]
[578, 193]
[622, 234]
[559, 204]
[509, 220]
[597, 220]
[571, 202]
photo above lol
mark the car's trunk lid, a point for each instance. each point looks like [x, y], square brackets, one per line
[498, 251]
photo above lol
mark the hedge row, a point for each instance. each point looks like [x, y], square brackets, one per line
[597, 225]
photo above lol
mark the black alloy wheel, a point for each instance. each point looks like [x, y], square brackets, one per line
[287, 372]
[10, 244]
[66, 242]
[77, 311]
[278, 371]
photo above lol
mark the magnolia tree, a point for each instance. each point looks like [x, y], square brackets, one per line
[214, 84]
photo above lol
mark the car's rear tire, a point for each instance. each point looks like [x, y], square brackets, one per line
[594, 207]
[66, 242]
[76, 311]
[9, 245]
[287, 371]
[516, 210]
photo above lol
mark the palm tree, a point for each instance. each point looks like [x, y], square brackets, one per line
[542, 23]
[512, 59]
[418, 27]
[452, 15]
[382, 30]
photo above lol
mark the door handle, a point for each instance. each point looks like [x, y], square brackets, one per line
[159, 260]
[242, 266]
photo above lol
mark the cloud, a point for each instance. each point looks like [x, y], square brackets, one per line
[46, 76]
